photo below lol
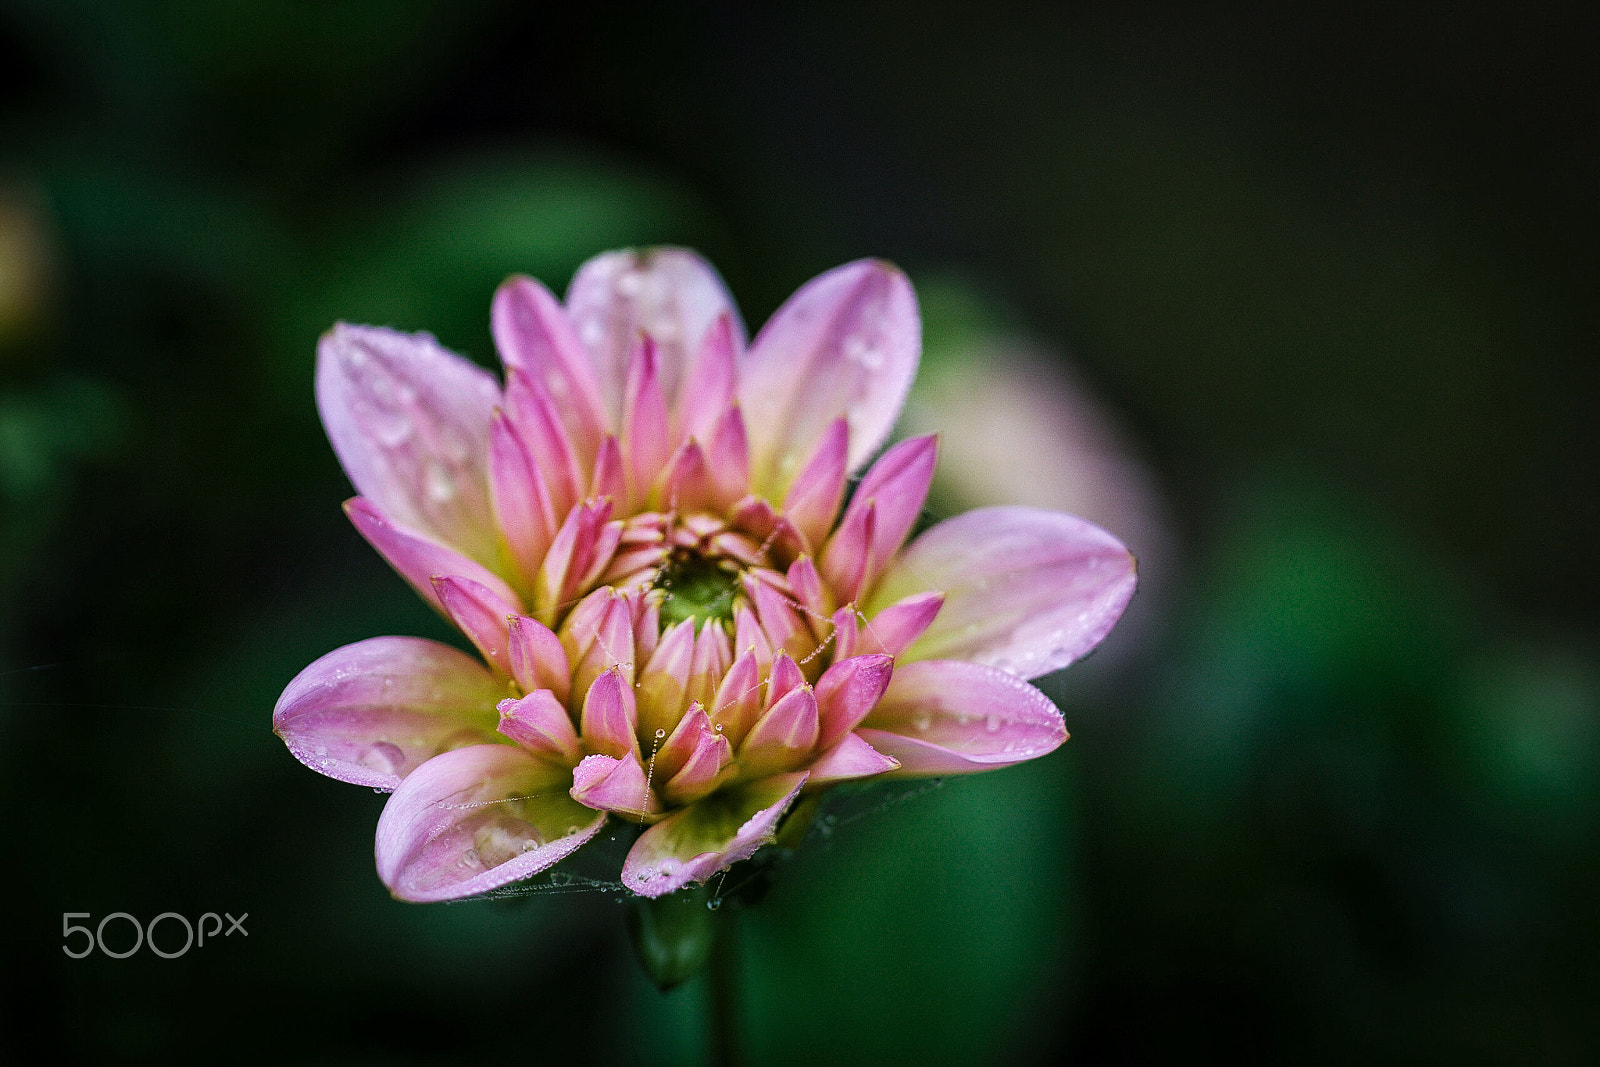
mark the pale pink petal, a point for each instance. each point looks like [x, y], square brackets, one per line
[848, 691]
[950, 717]
[671, 754]
[571, 555]
[482, 615]
[410, 423]
[711, 835]
[606, 647]
[534, 335]
[670, 295]
[1026, 591]
[845, 345]
[372, 712]
[808, 590]
[420, 559]
[475, 819]
[850, 758]
[537, 659]
[541, 724]
[608, 783]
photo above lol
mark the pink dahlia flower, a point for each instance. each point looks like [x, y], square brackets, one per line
[681, 622]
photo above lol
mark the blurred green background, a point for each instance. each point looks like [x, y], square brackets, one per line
[1334, 787]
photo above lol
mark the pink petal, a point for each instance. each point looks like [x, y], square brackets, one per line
[665, 679]
[418, 558]
[698, 841]
[522, 503]
[571, 555]
[645, 426]
[705, 769]
[848, 691]
[950, 717]
[610, 476]
[893, 629]
[670, 755]
[845, 345]
[607, 646]
[537, 659]
[738, 700]
[534, 335]
[372, 712]
[1026, 591]
[786, 677]
[709, 388]
[611, 717]
[540, 723]
[482, 615]
[894, 488]
[850, 758]
[475, 819]
[410, 423]
[670, 295]
[728, 458]
[614, 784]
[538, 422]
[688, 486]
[846, 555]
[812, 502]
[782, 737]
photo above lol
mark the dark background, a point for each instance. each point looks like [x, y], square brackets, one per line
[1333, 793]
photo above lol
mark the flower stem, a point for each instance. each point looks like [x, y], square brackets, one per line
[723, 999]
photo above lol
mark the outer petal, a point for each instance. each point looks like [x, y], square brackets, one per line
[420, 559]
[1026, 591]
[709, 836]
[851, 758]
[410, 423]
[372, 712]
[949, 717]
[846, 344]
[476, 818]
[669, 294]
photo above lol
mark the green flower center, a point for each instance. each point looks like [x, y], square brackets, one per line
[698, 588]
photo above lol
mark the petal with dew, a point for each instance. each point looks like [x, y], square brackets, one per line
[420, 559]
[693, 844]
[668, 294]
[950, 717]
[410, 423]
[372, 712]
[846, 344]
[474, 819]
[1026, 591]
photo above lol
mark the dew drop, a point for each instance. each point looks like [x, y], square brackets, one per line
[660, 734]
[991, 723]
[921, 723]
[385, 757]
[470, 857]
[438, 483]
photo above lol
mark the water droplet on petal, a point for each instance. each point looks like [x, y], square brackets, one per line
[992, 723]
[470, 857]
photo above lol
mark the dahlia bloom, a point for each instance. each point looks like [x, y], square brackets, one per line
[681, 622]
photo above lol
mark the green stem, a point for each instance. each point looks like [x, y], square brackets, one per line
[723, 1004]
